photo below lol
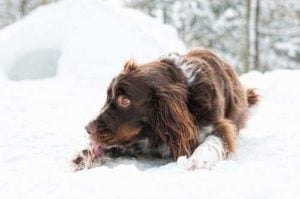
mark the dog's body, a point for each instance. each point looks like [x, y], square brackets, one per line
[191, 105]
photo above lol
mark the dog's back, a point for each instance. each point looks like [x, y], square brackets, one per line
[216, 96]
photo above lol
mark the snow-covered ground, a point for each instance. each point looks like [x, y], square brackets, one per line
[42, 127]
[41, 121]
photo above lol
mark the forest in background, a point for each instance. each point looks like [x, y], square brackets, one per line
[252, 34]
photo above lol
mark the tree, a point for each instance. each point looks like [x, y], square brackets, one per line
[246, 38]
[252, 34]
[257, 65]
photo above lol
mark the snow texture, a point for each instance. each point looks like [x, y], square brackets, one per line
[42, 120]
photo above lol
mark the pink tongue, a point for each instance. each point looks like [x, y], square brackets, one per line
[97, 149]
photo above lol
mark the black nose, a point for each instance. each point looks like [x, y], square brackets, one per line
[91, 127]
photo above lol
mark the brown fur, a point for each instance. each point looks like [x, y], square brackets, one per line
[126, 134]
[252, 97]
[227, 131]
[174, 122]
[168, 109]
[123, 135]
[129, 66]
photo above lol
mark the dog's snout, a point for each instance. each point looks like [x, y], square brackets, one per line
[91, 127]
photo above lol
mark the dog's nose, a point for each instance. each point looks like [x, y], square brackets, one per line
[91, 127]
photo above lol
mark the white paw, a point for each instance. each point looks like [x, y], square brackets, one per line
[205, 156]
[192, 164]
[85, 160]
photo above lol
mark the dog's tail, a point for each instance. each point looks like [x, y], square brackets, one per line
[252, 97]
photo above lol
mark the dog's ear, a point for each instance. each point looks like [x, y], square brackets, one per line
[173, 121]
[129, 66]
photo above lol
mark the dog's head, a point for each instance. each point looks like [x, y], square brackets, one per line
[142, 97]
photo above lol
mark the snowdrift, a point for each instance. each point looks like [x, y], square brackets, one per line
[81, 39]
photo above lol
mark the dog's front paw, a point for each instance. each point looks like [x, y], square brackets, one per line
[85, 160]
[192, 164]
[205, 156]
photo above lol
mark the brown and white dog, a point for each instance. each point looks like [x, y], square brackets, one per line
[187, 107]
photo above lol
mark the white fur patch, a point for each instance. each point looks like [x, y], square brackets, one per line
[205, 156]
[188, 68]
[189, 71]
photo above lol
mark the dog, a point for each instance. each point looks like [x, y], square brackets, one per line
[188, 108]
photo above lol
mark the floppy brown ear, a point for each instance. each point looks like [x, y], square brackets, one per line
[129, 66]
[173, 121]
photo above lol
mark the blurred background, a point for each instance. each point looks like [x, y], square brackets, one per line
[251, 34]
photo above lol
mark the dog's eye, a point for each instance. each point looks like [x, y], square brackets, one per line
[123, 101]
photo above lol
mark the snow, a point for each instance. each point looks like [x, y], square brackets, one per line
[42, 120]
[77, 35]
[42, 128]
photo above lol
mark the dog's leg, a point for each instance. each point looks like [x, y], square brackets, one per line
[227, 131]
[205, 155]
[217, 146]
[86, 160]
